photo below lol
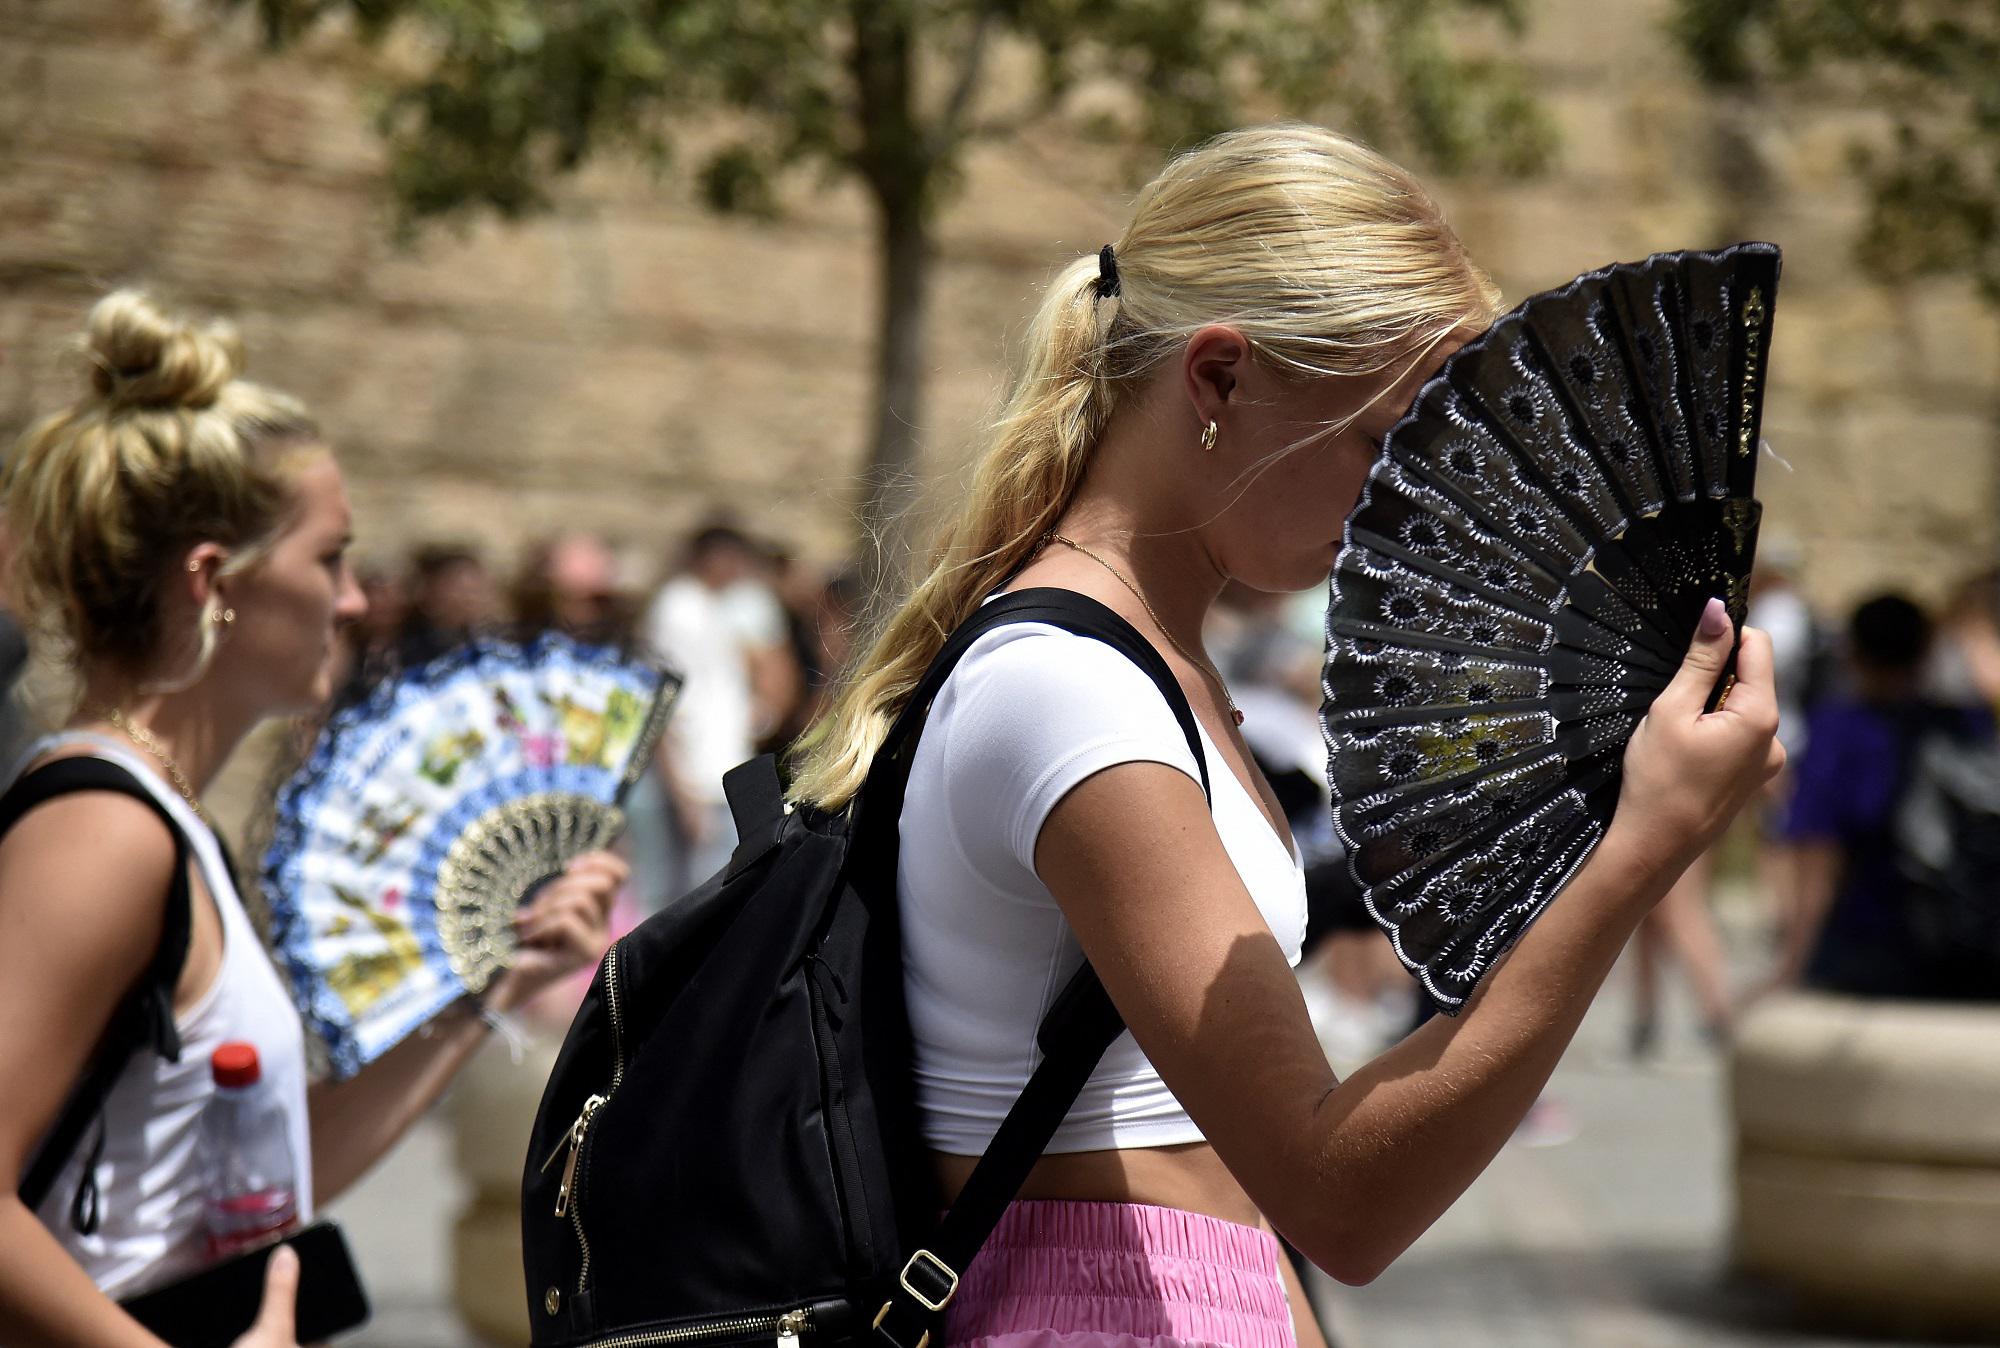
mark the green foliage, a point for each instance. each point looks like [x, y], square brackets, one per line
[488, 103]
[1932, 66]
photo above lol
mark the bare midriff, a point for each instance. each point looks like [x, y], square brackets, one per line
[1192, 1178]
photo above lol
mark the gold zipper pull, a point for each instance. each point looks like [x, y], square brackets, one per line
[790, 1325]
[574, 1133]
[574, 1141]
[568, 1179]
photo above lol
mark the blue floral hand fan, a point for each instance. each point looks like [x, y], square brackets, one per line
[425, 814]
[1522, 575]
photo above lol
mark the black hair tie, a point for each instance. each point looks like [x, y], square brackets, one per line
[1107, 273]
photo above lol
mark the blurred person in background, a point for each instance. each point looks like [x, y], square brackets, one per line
[1845, 927]
[1681, 932]
[1965, 670]
[1800, 646]
[835, 618]
[1806, 664]
[183, 533]
[366, 647]
[17, 726]
[569, 584]
[388, 594]
[451, 598]
[799, 590]
[718, 622]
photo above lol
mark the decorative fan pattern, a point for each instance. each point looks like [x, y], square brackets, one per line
[427, 811]
[1522, 575]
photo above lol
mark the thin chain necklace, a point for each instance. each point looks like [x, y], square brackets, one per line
[1204, 666]
[148, 741]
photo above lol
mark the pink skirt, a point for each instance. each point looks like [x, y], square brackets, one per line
[1120, 1275]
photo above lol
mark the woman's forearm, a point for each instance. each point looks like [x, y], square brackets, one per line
[1408, 1133]
[46, 1300]
[561, 930]
[355, 1122]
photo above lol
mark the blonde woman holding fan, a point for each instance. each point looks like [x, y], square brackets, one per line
[1200, 403]
[184, 532]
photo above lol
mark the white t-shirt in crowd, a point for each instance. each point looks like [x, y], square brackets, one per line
[1031, 711]
[707, 635]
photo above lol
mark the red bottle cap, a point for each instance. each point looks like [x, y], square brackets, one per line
[235, 1064]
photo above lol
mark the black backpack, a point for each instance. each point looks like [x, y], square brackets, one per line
[1946, 831]
[144, 1018]
[727, 1150]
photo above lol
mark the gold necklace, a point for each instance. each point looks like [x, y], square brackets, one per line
[1206, 668]
[146, 740]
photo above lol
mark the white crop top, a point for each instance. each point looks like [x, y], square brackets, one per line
[1031, 711]
[150, 1181]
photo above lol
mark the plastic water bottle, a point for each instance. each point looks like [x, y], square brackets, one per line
[247, 1154]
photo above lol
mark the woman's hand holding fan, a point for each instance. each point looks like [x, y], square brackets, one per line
[446, 836]
[562, 929]
[1688, 772]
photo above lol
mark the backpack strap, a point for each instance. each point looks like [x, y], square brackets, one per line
[144, 1018]
[889, 775]
[1082, 1022]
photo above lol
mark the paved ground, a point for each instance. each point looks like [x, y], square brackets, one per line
[398, 1221]
[1613, 1239]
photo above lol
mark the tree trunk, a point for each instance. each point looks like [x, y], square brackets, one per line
[890, 482]
[896, 161]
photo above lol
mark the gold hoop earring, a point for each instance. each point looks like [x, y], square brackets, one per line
[1208, 438]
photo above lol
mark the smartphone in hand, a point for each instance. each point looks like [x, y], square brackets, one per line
[214, 1307]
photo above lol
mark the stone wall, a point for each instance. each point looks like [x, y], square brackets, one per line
[628, 361]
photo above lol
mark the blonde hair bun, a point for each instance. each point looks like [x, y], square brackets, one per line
[169, 449]
[143, 356]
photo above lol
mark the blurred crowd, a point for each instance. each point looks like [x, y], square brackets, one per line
[757, 637]
[1887, 714]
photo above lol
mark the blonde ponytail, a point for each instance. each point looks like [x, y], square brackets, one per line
[1329, 258]
[1040, 446]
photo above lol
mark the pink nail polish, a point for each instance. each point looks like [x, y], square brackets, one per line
[1714, 619]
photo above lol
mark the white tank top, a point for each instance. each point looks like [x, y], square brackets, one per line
[1030, 711]
[150, 1183]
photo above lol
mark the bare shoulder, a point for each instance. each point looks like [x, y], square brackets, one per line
[83, 885]
[87, 872]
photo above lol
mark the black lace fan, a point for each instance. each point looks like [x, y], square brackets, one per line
[1522, 576]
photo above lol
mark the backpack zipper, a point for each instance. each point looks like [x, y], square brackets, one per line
[788, 1327]
[573, 1142]
[569, 1192]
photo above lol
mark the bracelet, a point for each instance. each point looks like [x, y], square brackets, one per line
[509, 1031]
[504, 1026]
